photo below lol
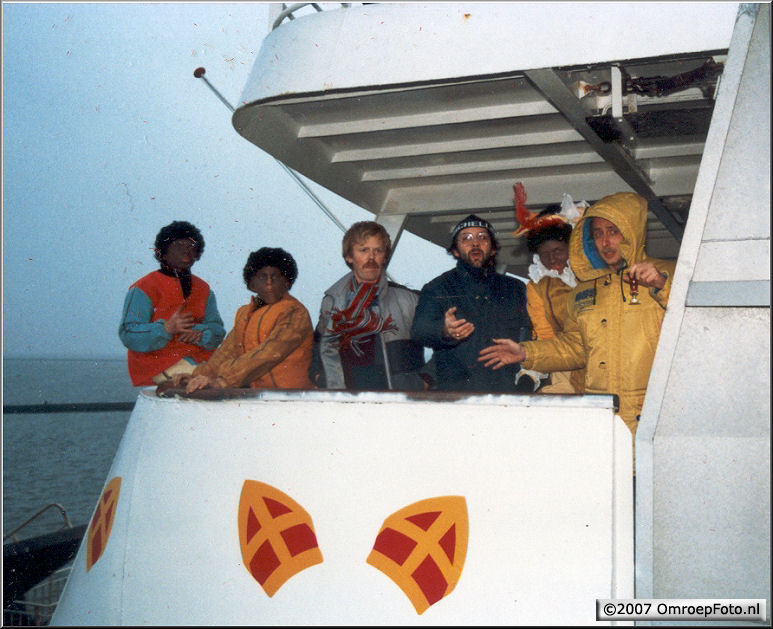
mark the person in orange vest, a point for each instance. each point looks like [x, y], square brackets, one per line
[270, 344]
[170, 320]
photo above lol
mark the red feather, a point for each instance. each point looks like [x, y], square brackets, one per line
[528, 221]
[523, 216]
[521, 213]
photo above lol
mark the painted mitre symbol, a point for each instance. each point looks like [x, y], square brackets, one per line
[422, 548]
[276, 535]
[102, 522]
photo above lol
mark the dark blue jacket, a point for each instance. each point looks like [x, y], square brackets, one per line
[494, 303]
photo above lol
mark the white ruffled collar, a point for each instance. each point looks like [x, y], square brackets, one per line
[537, 271]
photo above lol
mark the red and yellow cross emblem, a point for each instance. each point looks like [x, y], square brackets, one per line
[422, 548]
[102, 522]
[276, 535]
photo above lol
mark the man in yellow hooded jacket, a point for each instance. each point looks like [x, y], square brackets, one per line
[607, 331]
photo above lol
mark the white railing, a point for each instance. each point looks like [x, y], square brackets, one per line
[288, 12]
[37, 605]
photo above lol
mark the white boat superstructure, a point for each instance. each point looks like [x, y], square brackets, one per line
[422, 114]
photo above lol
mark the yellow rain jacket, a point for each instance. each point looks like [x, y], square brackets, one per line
[613, 339]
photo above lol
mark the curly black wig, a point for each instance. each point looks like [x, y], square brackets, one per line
[561, 232]
[175, 231]
[270, 256]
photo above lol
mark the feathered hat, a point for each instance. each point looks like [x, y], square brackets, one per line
[532, 221]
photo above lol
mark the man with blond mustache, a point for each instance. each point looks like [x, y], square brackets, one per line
[362, 340]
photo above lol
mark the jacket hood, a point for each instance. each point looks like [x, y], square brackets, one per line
[628, 211]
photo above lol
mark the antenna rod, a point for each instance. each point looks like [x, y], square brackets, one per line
[199, 74]
[313, 196]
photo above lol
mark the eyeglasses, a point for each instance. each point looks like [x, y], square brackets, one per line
[481, 236]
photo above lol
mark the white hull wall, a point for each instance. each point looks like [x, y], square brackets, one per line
[547, 482]
[703, 443]
[367, 45]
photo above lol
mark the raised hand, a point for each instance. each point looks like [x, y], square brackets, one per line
[646, 274]
[504, 352]
[457, 329]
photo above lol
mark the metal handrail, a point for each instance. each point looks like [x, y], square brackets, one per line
[69, 407]
[56, 505]
[287, 12]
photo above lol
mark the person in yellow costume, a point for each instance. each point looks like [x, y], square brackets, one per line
[552, 279]
[606, 331]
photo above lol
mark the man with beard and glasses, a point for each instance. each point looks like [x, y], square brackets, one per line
[170, 321]
[462, 310]
[362, 340]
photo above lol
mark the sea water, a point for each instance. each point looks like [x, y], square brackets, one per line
[62, 457]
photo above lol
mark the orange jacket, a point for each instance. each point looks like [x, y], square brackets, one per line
[269, 347]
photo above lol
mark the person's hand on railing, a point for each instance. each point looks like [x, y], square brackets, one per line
[205, 382]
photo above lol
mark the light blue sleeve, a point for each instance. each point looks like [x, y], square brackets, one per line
[212, 328]
[136, 331]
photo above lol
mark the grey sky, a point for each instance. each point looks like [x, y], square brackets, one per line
[107, 136]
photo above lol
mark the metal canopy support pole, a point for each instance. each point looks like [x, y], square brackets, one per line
[560, 96]
[393, 223]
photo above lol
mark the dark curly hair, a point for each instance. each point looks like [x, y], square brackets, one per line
[269, 256]
[177, 230]
[561, 232]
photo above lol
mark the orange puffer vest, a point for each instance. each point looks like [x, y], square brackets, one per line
[166, 295]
